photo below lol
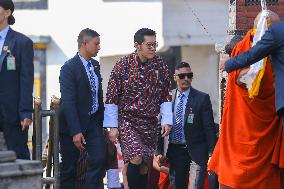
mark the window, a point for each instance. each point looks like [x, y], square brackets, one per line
[31, 4]
[257, 2]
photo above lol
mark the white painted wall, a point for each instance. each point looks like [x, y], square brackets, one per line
[181, 27]
[64, 19]
[204, 63]
[107, 64]
[117, 22]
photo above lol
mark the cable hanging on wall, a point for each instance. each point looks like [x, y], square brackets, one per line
[199, 21]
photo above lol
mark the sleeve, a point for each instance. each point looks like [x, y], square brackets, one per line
[166, 98]
[263, 48]
[208, 124]
[68, 96]
[112, 98]
[166, 113]
[26, 80]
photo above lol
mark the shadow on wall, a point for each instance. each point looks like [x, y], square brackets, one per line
[55, 55]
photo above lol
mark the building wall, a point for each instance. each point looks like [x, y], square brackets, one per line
[118, 21]
[107, 64]
[204, 63]
[64, 19]
[181, 25]
[246, 13]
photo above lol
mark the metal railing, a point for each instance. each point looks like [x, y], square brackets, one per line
[52, 161]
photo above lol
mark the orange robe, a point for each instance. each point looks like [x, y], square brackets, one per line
[249, 152]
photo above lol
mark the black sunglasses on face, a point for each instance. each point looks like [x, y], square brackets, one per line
[183, 75]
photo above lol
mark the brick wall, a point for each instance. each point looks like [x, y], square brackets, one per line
[246, 11]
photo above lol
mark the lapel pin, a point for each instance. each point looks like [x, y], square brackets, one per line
[5, 48]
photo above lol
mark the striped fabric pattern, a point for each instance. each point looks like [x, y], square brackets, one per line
[178, 123]
[93, 87]
[138, 89]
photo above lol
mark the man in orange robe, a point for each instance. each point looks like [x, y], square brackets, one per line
[249, 153]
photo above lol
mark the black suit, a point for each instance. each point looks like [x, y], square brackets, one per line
[76, 117]
[200, 139]
[16, 88]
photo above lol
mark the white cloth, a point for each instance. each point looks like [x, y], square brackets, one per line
[166, 113]
[250, 76]
[110, 116]
[113, 178]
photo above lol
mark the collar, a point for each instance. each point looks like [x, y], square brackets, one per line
[4, 32]
[186, 93]
[84, 61]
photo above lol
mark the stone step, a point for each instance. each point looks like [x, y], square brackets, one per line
[21, 174]
[7, 156]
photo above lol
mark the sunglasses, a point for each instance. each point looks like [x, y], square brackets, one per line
[183, 75]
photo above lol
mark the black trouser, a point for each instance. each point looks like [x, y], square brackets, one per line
[96, 158]
[16, 138]
[179, 160]
[181, 165]
[134, 178]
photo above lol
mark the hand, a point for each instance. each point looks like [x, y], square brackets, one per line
[208, 160]
[113, 134]
[26, 123]
[210, 172]
[166, 129]
[158, 159]
[222, 63]
[79, 141]
[241, 74]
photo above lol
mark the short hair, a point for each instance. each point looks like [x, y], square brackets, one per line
[182, 65]
[86, 35]
[140, 34]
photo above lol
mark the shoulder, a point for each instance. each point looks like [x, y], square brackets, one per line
[123, 61]
[277, 25]
[199, 93]
[70, 64]
[21, 37]
[277, 28]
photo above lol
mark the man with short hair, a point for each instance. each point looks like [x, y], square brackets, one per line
[16, 83]
[138, 90]
[81, 116]
[192, 138]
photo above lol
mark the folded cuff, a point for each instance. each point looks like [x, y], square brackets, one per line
[110, 116]
[113, 178]
[166, 113]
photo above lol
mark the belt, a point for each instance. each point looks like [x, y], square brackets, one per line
[178, 145]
